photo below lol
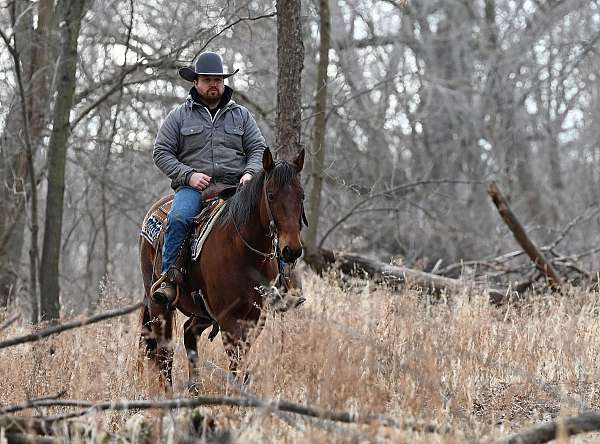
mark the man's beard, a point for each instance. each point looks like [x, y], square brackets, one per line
[211, 98]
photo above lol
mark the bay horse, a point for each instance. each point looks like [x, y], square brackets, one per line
[259, 226]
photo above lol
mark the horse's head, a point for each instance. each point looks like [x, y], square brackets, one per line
[284, 196]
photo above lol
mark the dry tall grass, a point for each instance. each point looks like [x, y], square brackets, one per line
[354, 346]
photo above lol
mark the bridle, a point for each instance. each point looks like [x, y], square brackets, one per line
[273, 234]
[275, 251]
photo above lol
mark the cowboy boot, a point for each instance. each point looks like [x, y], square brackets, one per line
[175, 276]
[166, 293]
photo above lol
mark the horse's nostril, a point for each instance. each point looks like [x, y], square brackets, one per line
[290, 255]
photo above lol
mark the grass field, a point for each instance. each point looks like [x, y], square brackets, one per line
[484, 372]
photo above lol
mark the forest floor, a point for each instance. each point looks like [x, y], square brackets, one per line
[484, 372]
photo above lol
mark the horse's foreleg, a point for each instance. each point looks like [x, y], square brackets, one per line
[237, 341]
[234, 342]
[190, 341]
[192, 329]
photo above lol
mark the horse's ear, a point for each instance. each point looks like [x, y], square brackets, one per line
[267, 160]
[299, 162]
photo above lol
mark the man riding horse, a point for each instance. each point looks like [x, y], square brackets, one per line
[208, 139]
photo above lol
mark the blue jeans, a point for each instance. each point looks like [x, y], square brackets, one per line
[186, 204]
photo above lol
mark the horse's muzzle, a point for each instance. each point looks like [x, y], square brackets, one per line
[290, 255]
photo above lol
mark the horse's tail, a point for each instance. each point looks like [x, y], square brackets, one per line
[154, 346]
[147, 342]
[156, 322]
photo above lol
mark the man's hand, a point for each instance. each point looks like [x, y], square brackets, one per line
[199, 181]
[245, 178]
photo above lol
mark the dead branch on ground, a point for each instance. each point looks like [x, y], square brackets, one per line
[278, 405]
[20, 424]
[588, 422]
[391, 274]
[69, 326]
[9, 322]
[31, 438]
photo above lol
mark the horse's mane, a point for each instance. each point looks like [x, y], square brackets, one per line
[240, 208]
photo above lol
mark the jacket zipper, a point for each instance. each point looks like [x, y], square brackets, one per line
[218, 113]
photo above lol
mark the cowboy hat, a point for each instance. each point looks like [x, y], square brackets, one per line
[209, 64]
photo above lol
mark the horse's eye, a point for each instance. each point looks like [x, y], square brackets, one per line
[269, 196]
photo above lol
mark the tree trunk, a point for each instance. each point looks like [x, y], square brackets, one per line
[290, 61]
[38, 103]
[70, 13]
[31, 47]
[12, 220]
[13, 168]
[318, 154]
[40, 69]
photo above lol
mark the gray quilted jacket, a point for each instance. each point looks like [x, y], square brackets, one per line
[225, 147]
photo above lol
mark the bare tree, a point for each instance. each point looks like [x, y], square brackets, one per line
[290, 61]
[70, 14]
[320, 116]
[22, 134]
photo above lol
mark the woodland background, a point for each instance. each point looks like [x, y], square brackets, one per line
[408, 110]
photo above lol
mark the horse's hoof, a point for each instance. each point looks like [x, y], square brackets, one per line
[299, 302]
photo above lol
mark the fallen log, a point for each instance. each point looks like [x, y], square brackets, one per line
[280, 405]
[541, 433]
[23, 424]
[24, 438]
[521, 236]
[391, 274]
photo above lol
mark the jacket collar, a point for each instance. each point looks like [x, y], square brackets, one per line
[194, 98]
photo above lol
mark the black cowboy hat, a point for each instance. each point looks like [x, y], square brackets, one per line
[209, 64]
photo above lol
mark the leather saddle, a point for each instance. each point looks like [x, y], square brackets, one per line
[153, 228]
[218, 191]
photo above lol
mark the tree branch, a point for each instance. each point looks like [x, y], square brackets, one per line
[231, 25]
[389, 193]
[586, 215]
[9, 322]
[32, 337]
[279, 405]
[521, 236]
[588, 422]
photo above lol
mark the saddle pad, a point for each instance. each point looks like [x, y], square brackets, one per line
[151, 229]
[198, 240]
[153, 225]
